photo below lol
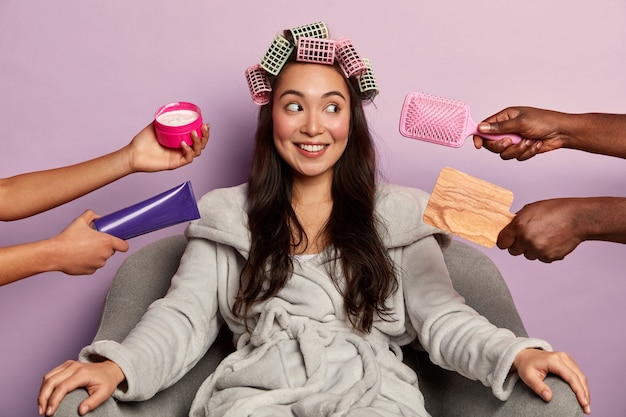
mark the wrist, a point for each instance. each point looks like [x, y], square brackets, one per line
[519, 358]
[601, 218]
[571, 130]
[124, 157]
[115, 371]
[53, 252]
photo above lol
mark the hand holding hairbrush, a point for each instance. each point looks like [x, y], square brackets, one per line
[441, 120]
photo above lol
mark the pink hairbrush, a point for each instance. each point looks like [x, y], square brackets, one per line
[440, 120]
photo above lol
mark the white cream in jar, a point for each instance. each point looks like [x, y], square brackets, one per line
[177, 117]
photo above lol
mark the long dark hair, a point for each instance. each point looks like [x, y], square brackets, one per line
[350, 233]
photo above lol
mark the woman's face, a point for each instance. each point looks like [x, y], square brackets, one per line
[311, 115]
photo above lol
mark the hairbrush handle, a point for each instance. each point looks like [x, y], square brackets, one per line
[473, 130]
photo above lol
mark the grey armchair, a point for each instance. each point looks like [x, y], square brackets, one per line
[145, 275]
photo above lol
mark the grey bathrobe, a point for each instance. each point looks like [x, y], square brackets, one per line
[302, 357]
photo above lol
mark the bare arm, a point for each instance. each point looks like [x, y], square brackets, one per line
[32, 193]
[547, 130]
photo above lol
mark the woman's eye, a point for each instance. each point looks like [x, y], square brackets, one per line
[333, 108]
[293, 107]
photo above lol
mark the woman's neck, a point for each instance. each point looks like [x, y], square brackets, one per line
[312, 203]
[311, 190]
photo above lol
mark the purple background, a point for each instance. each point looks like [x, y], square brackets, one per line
[79, 78]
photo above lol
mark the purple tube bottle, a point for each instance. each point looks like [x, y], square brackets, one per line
[163, 210]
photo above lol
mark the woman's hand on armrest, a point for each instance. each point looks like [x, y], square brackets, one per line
[99, 379]
[533, 365]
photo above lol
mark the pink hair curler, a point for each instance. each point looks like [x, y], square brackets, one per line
[259, 85]
[319, 51]
[174, 122]
[440, 120]
[349, 60]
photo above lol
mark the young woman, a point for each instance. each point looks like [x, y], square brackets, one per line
[321, 273]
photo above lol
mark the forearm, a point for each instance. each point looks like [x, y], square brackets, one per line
[595, 132]
[602, 218]
[173, 334]
[32, 193]
[22, 261]
[455, 335]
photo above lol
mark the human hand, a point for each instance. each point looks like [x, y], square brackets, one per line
[99, 379]
[547, 230]
[147, 155]
[81, 250]
[539, 129]
[534, 365]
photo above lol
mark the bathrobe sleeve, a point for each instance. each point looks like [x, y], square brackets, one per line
[456, 336]
[175, 332]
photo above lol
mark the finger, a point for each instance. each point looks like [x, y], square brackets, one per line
[540, 388]
[188, 152]
[94, 400]
[517, 246]
[47, 386]
[532, 148]
[506, 237]
[497, 146]
[492, 128]
[530, 255]
[199, 145]
[547, 259]
[194, 137]
[59, 385]
[579, 374]
[206, 129]
[504, 143]
[499, 127]
[577, 381]
[89, 216]
[119, 245]
[515, 151]
[478, 142]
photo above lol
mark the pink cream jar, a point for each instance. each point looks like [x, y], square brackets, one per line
[174, 122]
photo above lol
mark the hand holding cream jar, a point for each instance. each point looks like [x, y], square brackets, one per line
[174, 122]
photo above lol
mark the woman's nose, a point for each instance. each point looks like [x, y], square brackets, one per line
[313, 124]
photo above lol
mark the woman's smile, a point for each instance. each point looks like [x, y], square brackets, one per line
[315, 149]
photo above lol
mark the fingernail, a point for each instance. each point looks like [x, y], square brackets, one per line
[545, 395]
[49, 411]
[40, 411]
[484, 127]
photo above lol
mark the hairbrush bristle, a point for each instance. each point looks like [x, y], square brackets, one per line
[434, 119]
